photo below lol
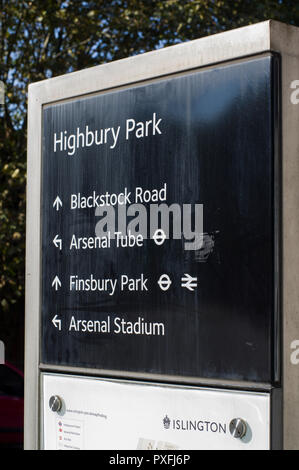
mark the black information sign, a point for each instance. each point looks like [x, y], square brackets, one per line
[158, 226]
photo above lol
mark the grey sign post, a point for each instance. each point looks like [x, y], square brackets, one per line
[2, 92]
[207, 129]
[2, 352]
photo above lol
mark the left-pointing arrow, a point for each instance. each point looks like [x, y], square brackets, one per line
[56, 282]
[56, 322]
[57, 242]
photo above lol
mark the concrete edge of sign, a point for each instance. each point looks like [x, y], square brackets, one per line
[290, 237]
[228, 45]
[167, 380]
[32, 277]
[238, 43]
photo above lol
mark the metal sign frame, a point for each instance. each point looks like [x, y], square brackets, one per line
[234, 45]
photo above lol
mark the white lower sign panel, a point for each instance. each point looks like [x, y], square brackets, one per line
[110, 414]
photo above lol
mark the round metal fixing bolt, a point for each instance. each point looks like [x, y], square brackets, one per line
[237, 428]
[55, 403]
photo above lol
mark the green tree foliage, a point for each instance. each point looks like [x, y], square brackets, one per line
[44, 38]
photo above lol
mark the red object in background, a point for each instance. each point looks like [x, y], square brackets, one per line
[11, 406]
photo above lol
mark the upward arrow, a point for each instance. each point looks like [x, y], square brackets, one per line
[56, 282]
[57, 203]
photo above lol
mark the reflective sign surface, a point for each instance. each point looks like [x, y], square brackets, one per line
[158, 212]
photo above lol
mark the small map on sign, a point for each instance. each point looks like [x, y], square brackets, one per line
[150, 444]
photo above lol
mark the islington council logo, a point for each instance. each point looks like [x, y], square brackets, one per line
[194, 425]
[166, 422]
